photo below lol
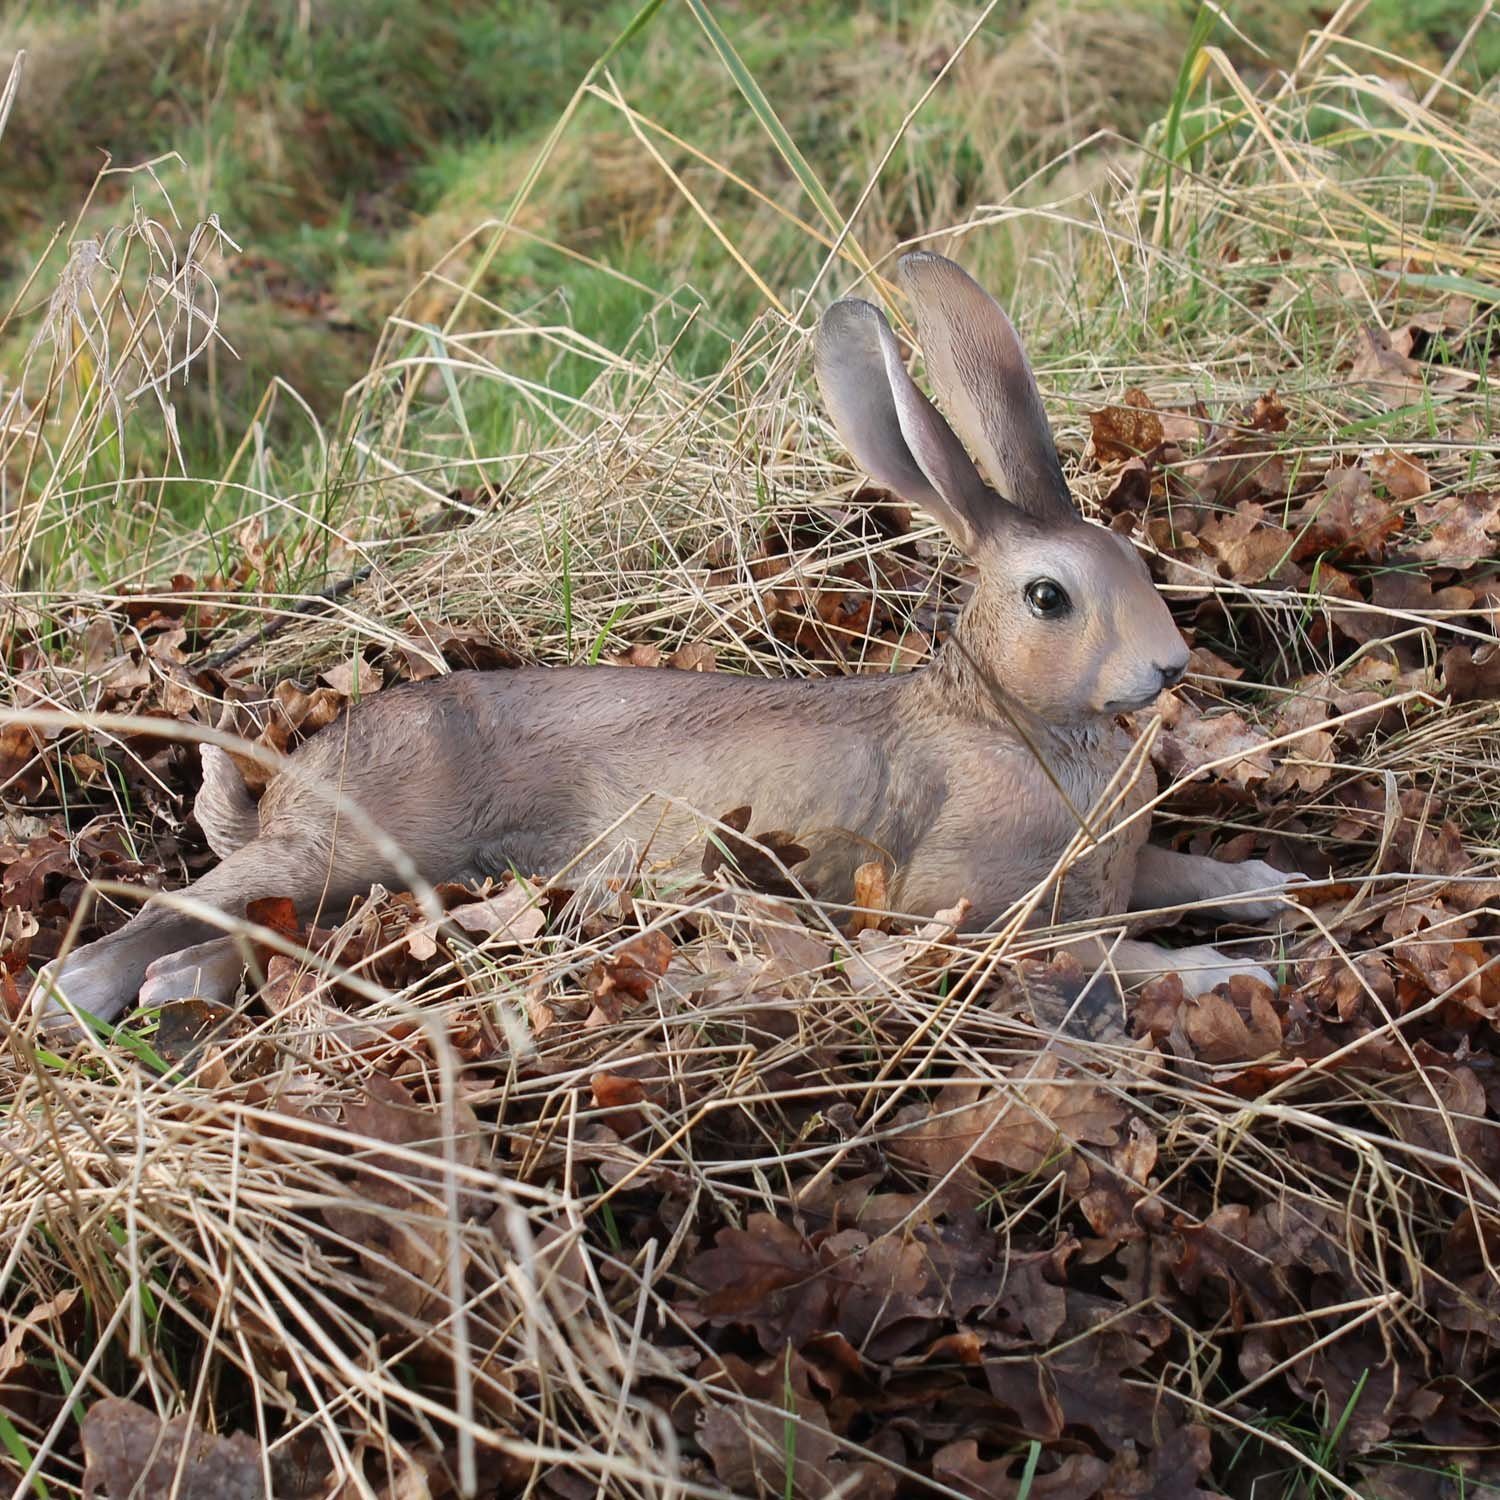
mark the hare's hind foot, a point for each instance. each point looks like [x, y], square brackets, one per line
[1200, 967]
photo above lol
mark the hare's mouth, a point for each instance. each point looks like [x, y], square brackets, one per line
[1130, 705]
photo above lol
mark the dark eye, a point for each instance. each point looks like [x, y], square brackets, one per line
[1047, 599]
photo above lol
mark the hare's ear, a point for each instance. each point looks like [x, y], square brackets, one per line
[980, 372]
[894, 432]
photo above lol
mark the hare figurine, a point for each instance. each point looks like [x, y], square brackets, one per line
[969, 777]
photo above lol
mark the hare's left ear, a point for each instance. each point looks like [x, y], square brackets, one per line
[975, 361]
[893, 430]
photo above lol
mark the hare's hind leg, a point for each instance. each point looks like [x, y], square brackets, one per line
[1200, 967]
[104, 977]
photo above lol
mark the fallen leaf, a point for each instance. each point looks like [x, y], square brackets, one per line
[11, 1358]
[613, 1092]
[1021, 1123]
[765, 1277]
[1217, 1032]
[641, 654]
[1462, 529]
[1079, 1476]
[1249, 547]
[22, 775]
[871, 898]
[1133, 430]
[627, 976]
[1131, 490]
[1472, 672]
[1403, 475]
[1268, 414]
[1194, 746]
[694, 658]
[1346, 519]
[353, 679]
[781, 1446]
[1383, 364]
[1171, 1473]
[513, 915]
[1307, 764]
[761, 862]
[392, 1216]
[131, 1452]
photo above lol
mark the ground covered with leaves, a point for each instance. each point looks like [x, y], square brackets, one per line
[566, 1188]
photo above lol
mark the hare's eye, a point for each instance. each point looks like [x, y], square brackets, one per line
[1046, 599]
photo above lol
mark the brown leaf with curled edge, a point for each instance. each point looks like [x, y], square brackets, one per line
[611, 1091]
[1393, 590]
[641, 654]
[514, 914]
[1248, 546]
[458, 646]
[900, 1289]
[353, 679]
[871, 899]
[1383, 364]
[27, 870]
[294, 715]
[1268, 414]
[696, 657]
[1171, 1473]
[289, 985]
[16, 1329]
[1425, 840]
[1452, 1128]
[1118, 1185]
[1251, 471]
[1307, 764]
[1219, 1033]
[761, 862]
[23, 777]
[130, 1452]
[1462, 529]
[1346, 519]
[1471, 673]
[1191, 743]
[1342, 986]
[1037, 1113]
[781, 1446]
[277, 914]
[1121, 433]
[1080, 1476]
[1403, 475]
[1131, 491]
[626, 976]
[394, 1214]
[765, 1277]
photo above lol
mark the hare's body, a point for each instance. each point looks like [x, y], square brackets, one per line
[969, 778]
[553, 792]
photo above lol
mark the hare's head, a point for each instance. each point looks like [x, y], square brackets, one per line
[1065, 616]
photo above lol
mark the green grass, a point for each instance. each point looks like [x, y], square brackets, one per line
[348, 154]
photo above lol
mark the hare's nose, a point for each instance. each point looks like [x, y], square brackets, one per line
[1171, 676]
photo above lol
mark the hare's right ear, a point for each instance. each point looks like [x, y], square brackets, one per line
[894, 432]
[982, 376]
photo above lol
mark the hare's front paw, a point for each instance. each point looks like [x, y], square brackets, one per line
[206, 971]
[1271, 888]
[1202, 968]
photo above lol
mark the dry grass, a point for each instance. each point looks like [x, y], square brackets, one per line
[495, 1292]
